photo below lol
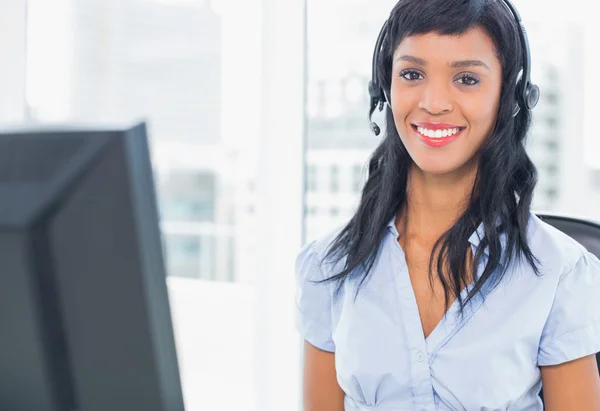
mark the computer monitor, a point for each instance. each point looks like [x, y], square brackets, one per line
[85, 323]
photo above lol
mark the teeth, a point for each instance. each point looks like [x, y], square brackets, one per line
[437, 133]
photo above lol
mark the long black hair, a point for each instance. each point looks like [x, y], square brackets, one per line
[506, 177]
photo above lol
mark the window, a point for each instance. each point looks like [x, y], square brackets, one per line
[188, 196]
[335, 179]
[166, 61]
[552, 144]
[184, 256]
[358, 178]
[596, 180]
[339, 68]
[551, 97]
[311, 178]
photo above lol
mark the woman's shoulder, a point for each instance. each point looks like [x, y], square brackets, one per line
[321, 244]
[314, 252]
[556, 250]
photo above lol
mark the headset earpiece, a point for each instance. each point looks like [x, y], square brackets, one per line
[527, 97]
[532, 96]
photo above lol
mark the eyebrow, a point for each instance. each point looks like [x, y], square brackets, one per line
[468, 63]
[454, 64]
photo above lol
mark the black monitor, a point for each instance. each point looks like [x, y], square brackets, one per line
[85, 323]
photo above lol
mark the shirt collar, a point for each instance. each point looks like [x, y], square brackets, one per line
[474, 239]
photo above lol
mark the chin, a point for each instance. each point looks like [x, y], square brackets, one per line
[437, 168]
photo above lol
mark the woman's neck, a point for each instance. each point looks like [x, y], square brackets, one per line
[434, 203]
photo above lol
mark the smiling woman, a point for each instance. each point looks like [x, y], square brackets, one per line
[445, 85]
[445, 291]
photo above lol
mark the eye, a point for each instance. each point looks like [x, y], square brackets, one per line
[468, 80]
[411, 75]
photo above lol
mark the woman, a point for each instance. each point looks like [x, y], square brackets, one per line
[444, 291]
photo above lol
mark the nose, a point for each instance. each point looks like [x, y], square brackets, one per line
[436, 99]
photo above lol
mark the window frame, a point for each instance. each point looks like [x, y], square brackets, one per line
[280, 202]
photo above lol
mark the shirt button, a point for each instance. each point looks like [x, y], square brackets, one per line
[420, 356]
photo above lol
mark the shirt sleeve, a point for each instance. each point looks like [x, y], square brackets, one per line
[572, 330]
[313, 300]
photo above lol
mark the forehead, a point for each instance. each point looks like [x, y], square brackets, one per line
[473, 43]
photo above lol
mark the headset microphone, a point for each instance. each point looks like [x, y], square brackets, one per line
[374, 128]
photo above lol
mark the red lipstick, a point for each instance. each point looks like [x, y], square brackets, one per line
[440, 140]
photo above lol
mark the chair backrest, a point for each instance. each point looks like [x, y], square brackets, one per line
[585, 231]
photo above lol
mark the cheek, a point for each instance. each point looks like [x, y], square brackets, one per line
[403, 103]
[478, 113]
[481, 112]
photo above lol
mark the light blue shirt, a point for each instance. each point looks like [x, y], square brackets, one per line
[486, 361]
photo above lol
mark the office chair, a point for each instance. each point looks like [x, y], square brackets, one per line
[585, 231]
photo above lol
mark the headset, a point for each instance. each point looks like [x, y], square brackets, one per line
[528, 94]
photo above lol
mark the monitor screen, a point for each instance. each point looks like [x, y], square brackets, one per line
[84, 317]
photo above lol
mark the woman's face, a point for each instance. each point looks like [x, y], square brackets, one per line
[445, 93]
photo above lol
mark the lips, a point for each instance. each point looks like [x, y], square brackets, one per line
[437, 134]
[436, 125]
